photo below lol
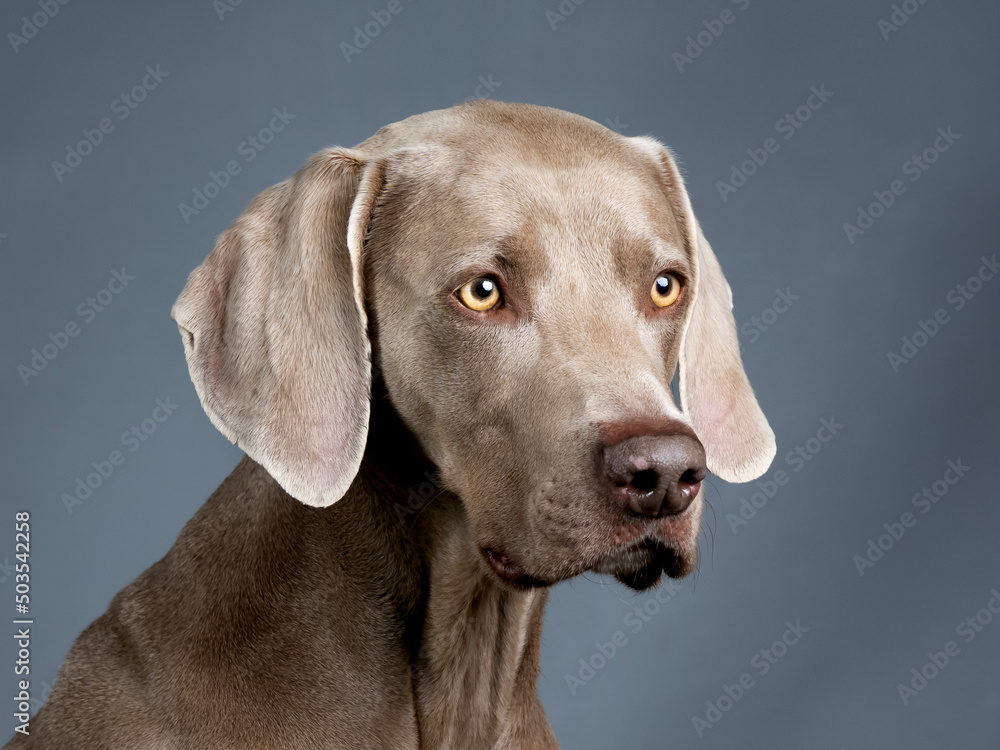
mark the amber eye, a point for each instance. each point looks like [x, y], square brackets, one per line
[480, 294]
[666, 289]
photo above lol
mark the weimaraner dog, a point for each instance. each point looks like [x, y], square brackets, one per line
[492, 300]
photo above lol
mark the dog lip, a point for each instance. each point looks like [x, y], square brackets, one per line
[655, 557]
[642, 549]
[669, 528]
[509, 571]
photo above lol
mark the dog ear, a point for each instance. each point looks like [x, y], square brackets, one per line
[275, 331]
[715, 394]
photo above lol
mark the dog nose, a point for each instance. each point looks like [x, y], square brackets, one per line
[655, 475]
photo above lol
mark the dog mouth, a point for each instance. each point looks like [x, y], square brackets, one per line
[641, 565]
[509, 571]
[642, 555]
[635, 552]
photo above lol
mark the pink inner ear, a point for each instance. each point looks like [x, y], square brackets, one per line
[717, 431]
[735, 450]
[739, 444]
[713, 421]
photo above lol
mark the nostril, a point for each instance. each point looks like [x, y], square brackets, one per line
[690, 478]
[645, 481]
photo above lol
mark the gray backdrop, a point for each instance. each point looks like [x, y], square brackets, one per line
[873, 393]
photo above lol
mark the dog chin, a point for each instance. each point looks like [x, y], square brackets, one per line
[640, 567]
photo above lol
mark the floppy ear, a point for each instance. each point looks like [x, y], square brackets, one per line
[275, 332]
[715, 393]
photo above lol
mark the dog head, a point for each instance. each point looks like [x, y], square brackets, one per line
[536, 280]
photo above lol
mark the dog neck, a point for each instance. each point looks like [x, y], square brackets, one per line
[474, 641]
[479, 647]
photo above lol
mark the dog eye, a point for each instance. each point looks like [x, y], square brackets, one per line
[666, 289]
[480, 294]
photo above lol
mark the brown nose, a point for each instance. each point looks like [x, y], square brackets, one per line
[655, 475]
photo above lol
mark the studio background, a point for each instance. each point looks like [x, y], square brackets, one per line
[821, 307]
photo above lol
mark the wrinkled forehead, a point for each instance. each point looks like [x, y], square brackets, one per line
[600, 207]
